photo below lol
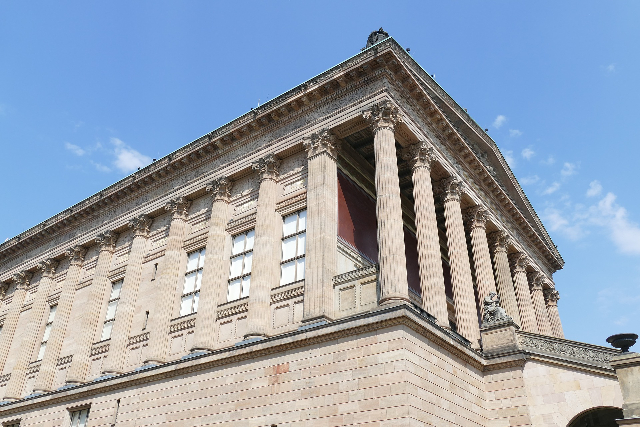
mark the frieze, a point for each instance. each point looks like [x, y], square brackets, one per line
[99, 349]
[117, 273]
[197, 241]
[565, 348]
[354, 275]
[137, 339]
[182, 325]
[34, 368]
[238, 225]
[237, 308]
[288, 294]
[292, 204]
[84, 283]
[64, 360]
[4, 378]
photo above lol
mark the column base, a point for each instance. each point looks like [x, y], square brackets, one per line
[195, 353]
[394, 300]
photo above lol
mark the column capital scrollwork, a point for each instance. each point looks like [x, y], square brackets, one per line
[551, 296]
[419, 155]
[47, 267]
[76, 255]
[140, 225]
[476, 217]
[535, 279]
[220, 189]
[384, 115]
[22, 279]
[499, 241]
[322, 142]
[179, 208]
[449, 189]
[519, 262]
[107, 241]
[267, 167]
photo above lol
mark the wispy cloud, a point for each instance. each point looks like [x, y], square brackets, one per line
[551, 189]
[611, 68]
[528, 153]
[127, 158]
[100, 167]
[78, 151]
[499, 121]
[514, 133]
[508, 156]
[624, 233]
[569, 169]
[595, 188]
[528, 180]
[555, 220]
[548, 161]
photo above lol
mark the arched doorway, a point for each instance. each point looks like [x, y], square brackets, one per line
[597, 417]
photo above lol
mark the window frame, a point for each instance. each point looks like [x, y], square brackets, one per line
[296, 257]
[202, 253]
[115, 313]
[78, 411]
[45, 339]
[242, 254]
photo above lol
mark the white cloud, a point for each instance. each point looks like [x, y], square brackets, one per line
[611, 68]
[528, 180]
[499, 121]
[74, 149]
[549, 161]
[528, 153]
[514, 133]
[569, 169]
[595, 188]
[128, 159]
[624, 233]
[508, 156]
[100, 167]
[556, 221]
[551, 189]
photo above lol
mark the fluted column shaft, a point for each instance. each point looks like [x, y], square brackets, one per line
[391, 252]
[265, 270]
[504, 281]
[434, 299]
[519, 263]
[47, 373]
[542, 317]
[477, 225]
[216, 267]
[552, 296]
[169, 275]
[11, 320]
[117, 357]
[34, 330]
[463, 294]
[322, 225]
[79, 369]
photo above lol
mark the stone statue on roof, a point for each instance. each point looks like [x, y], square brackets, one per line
[493, 313]
[375, 37]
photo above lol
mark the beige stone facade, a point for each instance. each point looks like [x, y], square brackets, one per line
[322, 260]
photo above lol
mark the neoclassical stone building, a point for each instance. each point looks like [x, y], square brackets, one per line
[325, 259]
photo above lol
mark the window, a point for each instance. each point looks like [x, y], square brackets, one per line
[47, 331]
[12, 425]
[79, 417]
[240, 272]
[192, 282]
[293, 247]
[110, 317]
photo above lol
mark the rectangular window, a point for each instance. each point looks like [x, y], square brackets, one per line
[192, 282]
[79, 417]
[12, 425]
[293, 247]
[47, 331]
[240, 271]
[112, 308]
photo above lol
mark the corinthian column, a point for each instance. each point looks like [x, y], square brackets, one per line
[91, 312]
[33, 335]
[117, 357]
[47, 373]
[265, 270]
[216, 267]
[322, 228]
[519, 262]
[383, 118]
[552, 296]
[476, 219]
[165, 289]
[463, 295]
[542, 318]
[11, 319]
[504, 282]
[434, 300]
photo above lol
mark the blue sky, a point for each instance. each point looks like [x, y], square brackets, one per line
[89, 91]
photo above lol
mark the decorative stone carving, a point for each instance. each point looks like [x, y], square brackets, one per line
[322, 142]
[48, 267]
[107, 241]
[551, 296]
[519, 262]
[220, 189]
[375, 37]
[267, 167]
[449, 189]
[493, 312]
[476, 217]
[567, 348]
[76, 255]
[140, 225]
[499, 241]
[384, 115]
[22, 279]
[419, 155]
[179, 208]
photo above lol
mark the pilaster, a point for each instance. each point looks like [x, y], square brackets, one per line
[542, 318]
[434, 300]
[504, 282]
[166, 284]
[322, 227]
[383, 118]
[21, 281]
[519, 262]
[551, 297]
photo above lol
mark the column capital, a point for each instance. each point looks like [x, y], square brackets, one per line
[22, 279]
[107, 241]
[535, 279]
[220, 189]
[140, 225]
[449, 189]
[519, 262]
[499, 241]
[419, 155]
[322, 142]
[76, 255]
[551, 296]
[48, 267]
[179, 208]
[476, 217]
[267, 167]
[384, 115]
